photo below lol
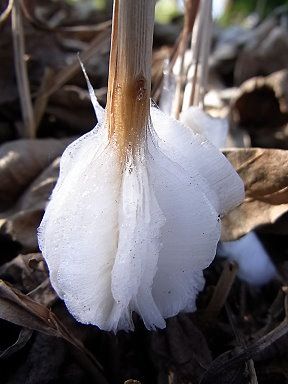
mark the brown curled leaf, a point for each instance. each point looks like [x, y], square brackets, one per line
[22, 221]
[29, 170]
[21, 161]
[265, 176]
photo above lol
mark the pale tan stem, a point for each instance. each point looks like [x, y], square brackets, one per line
[191, 10]
[200, 44]
[130, 71]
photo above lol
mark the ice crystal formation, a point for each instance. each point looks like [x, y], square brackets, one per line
[136, 236]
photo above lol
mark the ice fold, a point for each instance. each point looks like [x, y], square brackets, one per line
[136, 237]
[215, 129]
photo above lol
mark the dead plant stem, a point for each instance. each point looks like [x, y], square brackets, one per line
[21, 73]
[129, 84]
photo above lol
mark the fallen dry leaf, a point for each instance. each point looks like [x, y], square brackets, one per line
[21, 222]
[21, 161]
[27, 167]
[21, 310]
[261, 107]
[29, 274]
[262, 101]
[265, 175]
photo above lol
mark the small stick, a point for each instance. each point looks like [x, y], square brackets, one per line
[241, 341]
[200, 46]
[29, 130]
[191, 10]
[128, 98]
[5, 14]
[41, 101]
[205, 49]
[233, 358]
[222, 289]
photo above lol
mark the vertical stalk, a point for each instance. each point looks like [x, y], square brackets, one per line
[130, 72]
[200, 45]
[21, 72]
[205, 46]
[191, 10]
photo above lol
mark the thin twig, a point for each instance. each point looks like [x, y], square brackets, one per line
[231, 359]
[21, 73]
[5, 14]
[191, 10]
[200, 47]
[178, 53]
[42, 100]
[205, 49]
[222, 289]
[241, 341]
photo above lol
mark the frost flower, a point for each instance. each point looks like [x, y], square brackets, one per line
[136, 236]
[135, 215]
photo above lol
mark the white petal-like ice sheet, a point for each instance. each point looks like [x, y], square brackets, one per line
[189, 235]
[214, 129]
[193, 151]
[79, 233]
[140, 223]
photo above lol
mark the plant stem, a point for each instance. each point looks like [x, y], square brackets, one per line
[200, 44]
[130, 72]
[191, 10]
[21, 72]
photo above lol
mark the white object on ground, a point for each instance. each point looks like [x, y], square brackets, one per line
[213, 128]
[136, 237]
[255, 266]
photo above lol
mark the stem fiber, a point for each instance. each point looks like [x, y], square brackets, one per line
[129, 84]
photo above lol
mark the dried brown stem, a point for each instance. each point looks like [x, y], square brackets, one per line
[41, 101]
[200, 45]
[178, 52]
[222, 290]
[239, 337]
[130, 71]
